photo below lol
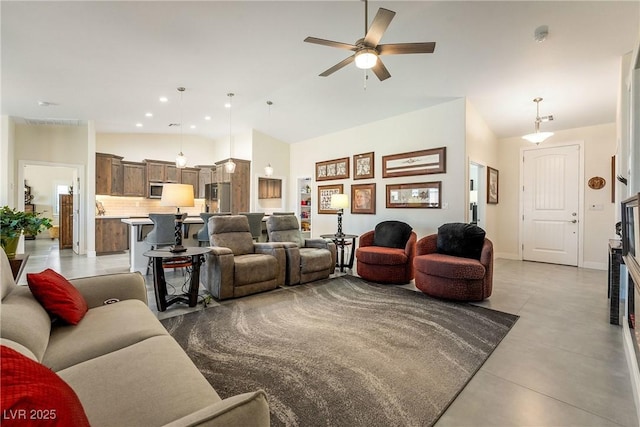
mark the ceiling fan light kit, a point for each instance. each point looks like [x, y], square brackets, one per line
[537, 137]
[367, 50]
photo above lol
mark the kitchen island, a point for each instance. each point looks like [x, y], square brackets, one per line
[139, 226]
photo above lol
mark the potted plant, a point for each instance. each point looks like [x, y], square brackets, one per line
[13, 223]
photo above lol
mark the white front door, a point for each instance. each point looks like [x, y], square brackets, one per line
[550, 204]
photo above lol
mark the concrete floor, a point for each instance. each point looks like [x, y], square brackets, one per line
[562, 364]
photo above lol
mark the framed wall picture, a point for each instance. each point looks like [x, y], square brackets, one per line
[363, 166]
[363, 198]
[492, 185]
[421, 162]
[415, 195]
[324, 197]
[332, 169]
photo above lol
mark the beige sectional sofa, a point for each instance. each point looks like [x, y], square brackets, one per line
[120, 361]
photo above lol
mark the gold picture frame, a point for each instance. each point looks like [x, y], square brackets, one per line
[422, 162]
[426, 195]
[324, 197]
[363, 198]
[363, 165]
[492, 185]
[332, 169]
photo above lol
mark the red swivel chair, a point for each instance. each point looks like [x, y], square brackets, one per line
[385, 255]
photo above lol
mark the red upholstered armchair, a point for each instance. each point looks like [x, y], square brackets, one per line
[461, 278]
[385, 255]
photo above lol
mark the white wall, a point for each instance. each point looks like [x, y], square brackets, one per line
[43, 181]
[268, 150]
[599, 225]
[442, 125]
[7, 144]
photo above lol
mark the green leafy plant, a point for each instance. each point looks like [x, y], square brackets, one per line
[13, 222]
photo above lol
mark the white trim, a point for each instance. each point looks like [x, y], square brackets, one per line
[580, 144]
[595, 265]
[506, 255]
[632, 364]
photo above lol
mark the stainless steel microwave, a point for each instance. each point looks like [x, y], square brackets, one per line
[155, 190]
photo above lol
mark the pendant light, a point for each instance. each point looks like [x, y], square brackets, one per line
[230, 166]
[181, 160]
[537, 137]
[268, 170]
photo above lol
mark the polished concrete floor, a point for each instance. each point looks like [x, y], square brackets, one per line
[562, 364]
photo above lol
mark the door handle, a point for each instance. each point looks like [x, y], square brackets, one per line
[573, 221]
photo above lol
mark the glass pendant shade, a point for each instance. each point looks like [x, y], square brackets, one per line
[230, 166]
[268, 170]
[181, 161]
[537, 137]
[366, 59]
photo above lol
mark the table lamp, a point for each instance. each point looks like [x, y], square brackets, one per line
[339, 202]
[178, 195]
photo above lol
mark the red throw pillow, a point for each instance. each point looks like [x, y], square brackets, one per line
[59, 297]
[34, 395]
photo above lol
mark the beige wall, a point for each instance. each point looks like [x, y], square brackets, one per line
[598, 225]
[438, 126]
[268, 150]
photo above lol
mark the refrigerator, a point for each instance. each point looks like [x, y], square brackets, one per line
[217, 197]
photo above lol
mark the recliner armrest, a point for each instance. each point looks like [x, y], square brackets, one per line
[97, 289]
[243, 410]
[278, 251]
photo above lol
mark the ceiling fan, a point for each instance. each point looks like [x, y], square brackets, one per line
[367, 50]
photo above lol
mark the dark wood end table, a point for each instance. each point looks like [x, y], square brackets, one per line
[159, 257]
[341, 242]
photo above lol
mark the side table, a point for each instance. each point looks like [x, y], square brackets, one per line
[17, 265]
[159, 257]
[341, 242]
[615, 259]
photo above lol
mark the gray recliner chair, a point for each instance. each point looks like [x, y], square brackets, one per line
[238, 266]
[307, 259]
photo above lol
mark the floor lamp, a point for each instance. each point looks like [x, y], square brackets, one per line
[339, 202]
[178, 195]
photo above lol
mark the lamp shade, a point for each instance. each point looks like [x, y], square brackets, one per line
[366, 59]
[178, 195]
[339, 201]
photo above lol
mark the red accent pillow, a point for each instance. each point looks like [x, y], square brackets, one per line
[34, 395]
[59, 297]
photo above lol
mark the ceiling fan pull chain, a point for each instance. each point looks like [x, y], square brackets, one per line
[366, 77]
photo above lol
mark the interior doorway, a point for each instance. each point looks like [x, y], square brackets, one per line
[477, 194]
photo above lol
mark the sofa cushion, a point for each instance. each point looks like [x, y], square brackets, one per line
[450, 267]
[172, 385]
[378, 255]
[33, 395]
[392, 234]
[57, 296]
[315, 259]
[104, 329]
[254, 268]
[284, 228]
[460, 239]
[25, 321]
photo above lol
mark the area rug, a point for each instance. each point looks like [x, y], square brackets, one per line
[343, 351]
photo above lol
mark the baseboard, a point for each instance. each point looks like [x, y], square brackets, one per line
[91, 254]
[632, 364]
[595, 265]
[505, 255]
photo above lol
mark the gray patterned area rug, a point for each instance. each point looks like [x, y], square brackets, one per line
[343, 351]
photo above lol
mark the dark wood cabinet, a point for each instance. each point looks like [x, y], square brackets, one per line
[134, 179]
[269, 188]
[109, 174]
[206, 175]
[240, 182]
[171, 173]
[155, 171]
[112, 235]
[190, 176]
[65, 240]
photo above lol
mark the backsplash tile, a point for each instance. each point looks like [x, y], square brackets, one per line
[140, 206]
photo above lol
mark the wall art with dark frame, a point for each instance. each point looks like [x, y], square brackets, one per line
[363, 198]
[363, 166]
[492, 185]
[324, 197]
[423, 162]
[415, 195]
[332, 169]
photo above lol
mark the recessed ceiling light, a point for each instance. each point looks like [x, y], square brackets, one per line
[164, 99]
[138, 125]
[192, 126]
[207, 117]
[149, 115]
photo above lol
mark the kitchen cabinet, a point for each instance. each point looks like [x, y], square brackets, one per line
[240, 187]
[190, 176]
[112, 235]
[109, 175]
[269, 188]
[161, 171]
[206, 175]
[134, 179]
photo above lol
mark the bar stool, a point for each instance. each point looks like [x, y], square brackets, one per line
[162, 235]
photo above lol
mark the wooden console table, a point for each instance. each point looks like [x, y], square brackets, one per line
[17, 265]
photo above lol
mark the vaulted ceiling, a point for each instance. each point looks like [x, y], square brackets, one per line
[111, 61]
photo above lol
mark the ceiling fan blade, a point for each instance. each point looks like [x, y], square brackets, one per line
[402, 48]
[380, 70]
[339, 65]
[331, 43]
[378, 27]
